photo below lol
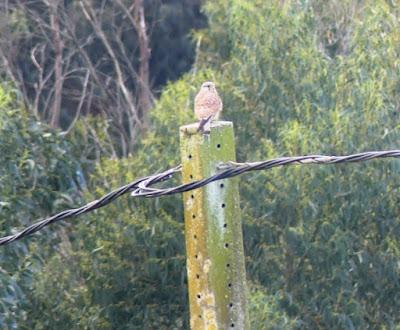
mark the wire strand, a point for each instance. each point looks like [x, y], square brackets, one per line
[103, 201]
[142, 187]
[232, 169]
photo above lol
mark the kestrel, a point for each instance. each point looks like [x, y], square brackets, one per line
[207, 104]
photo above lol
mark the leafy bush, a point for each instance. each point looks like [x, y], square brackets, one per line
[126, 268]
[38, 176]
[321, 241]
[324, 237]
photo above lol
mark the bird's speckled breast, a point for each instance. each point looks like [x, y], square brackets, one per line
[207, 104]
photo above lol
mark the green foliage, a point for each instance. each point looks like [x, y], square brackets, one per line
[126, 267]
[126, 262]
[38, 176]
[265, 310]
[320, 236]
[321, 241]
[323, 237]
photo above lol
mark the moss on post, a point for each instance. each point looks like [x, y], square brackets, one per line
[214, 243]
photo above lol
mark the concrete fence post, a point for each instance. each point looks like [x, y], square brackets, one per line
[213, 231]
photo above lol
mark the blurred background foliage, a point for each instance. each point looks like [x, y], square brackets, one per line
[39, 174]
[321, 242]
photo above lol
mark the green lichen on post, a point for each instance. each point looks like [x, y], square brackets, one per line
[214, 243]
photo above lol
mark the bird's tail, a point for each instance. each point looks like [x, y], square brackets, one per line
[203, 123]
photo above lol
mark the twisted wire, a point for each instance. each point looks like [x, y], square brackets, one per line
[232, 169]
[103, 201]
[142, 187]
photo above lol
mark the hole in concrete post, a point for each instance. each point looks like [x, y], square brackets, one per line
[191, 176]
[229, 285]
[192, 196]
[190, 156]
[195, 236]
[223, 205]
[230, 305]
[226, 245]
[218, 146]
[221, 185]
[197, 275]
[198, 296]
[225, 225]
[194, 216]
[232, 325]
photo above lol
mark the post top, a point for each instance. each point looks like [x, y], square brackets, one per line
[192, 128]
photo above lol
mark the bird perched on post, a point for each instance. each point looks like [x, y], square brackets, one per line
[207, 105]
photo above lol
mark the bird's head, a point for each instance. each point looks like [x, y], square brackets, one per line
[209, 86]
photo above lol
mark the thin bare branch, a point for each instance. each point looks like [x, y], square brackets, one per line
[91, 17]
[78, 110]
